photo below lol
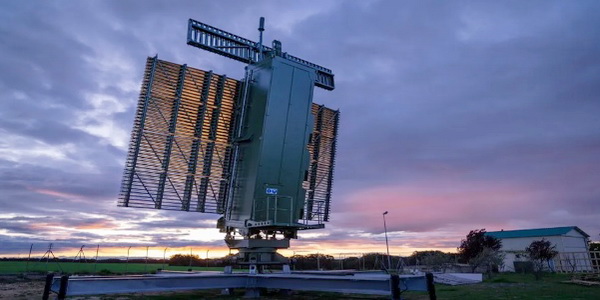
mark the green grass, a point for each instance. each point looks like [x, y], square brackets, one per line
[515, 286]
[15, 267]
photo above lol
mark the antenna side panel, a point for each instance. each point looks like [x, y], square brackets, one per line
[322, 149]
[178, 156]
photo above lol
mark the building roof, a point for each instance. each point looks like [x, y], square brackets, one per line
[535, 232]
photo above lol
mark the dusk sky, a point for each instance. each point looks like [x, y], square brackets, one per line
[455, 115]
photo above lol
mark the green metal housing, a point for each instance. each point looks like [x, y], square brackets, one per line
[273, 156]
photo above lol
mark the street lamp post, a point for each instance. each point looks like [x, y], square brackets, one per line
[165, 259]
[207, 258]
[387, 245]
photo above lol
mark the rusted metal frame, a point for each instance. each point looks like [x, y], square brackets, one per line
[140, 131]
[314, 163]
[205, 182]
[196, 144]
[332, 162]
[170, 139]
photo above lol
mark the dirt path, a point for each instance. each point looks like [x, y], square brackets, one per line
[21, 289]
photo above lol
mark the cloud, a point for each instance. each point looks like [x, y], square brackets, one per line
[454, 116]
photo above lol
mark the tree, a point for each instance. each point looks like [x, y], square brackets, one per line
[477, 244]
[434, 259]
[474, 249]
[185, 260]
[437, 261]
[489, 259]
[313, 262]
[541, 252]
[595, 246]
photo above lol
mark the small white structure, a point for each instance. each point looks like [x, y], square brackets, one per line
[571, 243]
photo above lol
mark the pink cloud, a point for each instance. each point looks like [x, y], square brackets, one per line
[60, 195]
[426, 206]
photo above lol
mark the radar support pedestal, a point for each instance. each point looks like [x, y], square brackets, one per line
[259, 253]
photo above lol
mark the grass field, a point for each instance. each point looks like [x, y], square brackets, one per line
[516, 286]
[16, 267]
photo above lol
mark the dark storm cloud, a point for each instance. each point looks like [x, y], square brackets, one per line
[439, 101]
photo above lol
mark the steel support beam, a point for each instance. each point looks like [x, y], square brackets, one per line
[140, 131]
[196, 144]
[315, 163]
[332, 163]
[377, 284]
[209, 150]
[170, 138]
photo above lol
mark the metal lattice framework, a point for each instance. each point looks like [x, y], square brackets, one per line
[236, 47]
[180, 155]
[322, 149]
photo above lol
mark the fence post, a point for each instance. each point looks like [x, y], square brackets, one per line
[48, 286]
[64, 283]
[430, 286]
[28, 258]
[127, 261]
[96, 262]
[146, 264]
[395, 286]
[165, 259]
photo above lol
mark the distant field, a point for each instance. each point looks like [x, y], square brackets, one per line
[14, 267]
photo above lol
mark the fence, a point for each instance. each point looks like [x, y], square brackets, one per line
[140, 259]
[575, 262]
[95, 259]
[595, 259]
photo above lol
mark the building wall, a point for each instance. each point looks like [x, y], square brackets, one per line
[571, 244]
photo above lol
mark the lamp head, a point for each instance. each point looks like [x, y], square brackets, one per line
[385, 213]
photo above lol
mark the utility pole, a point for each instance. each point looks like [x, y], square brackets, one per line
[165, 258]
[207, 257]
[387, 245]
